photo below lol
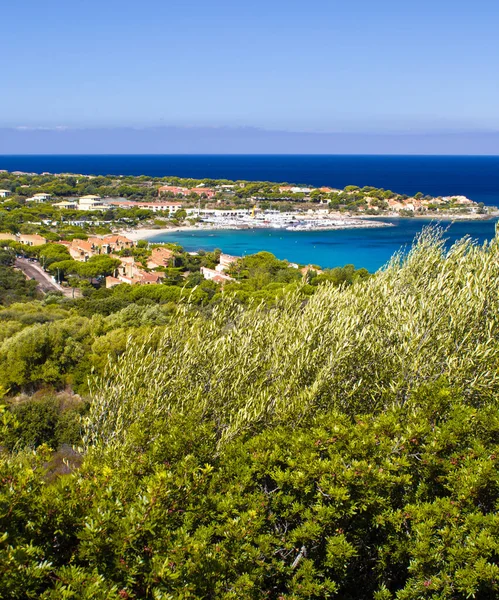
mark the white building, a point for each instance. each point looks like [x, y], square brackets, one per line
[5, 193]
[225, 261]
[300, 190]
[42, 197]
[39, 198]
[216, 276]
[216, 212]
[67, 204]
[91, 202]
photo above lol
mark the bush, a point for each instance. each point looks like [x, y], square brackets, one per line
[356, 349]
[45, 419]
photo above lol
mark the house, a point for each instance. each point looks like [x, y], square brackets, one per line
[294, 189]
[114, 242]
[38, 198]
[81, 250]
[160, 257]
[305, 270]
[112, 281]
[130, 272]
[91, 202]
[5, 193]
[173, 189]
[395, 204]
[33, 199]
[216, 276]
[68, 205]
[202, 191]
[225, 261]
[32, 240]
[457, 199]
[182, 191]
[149, 278]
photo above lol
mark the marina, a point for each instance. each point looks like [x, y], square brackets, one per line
[370, 248]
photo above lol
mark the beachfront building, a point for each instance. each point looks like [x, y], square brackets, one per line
[154, 206]
[32, 240]
[91, 202]
[218, 212]
[5, 193]
[463, 200]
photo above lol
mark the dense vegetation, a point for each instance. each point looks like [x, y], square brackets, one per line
[340, 444]
[13, 284]
[58, 341]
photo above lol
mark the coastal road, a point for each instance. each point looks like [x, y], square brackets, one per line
[34, 271]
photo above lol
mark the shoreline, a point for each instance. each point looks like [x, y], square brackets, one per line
[364, 222]
[147, 233]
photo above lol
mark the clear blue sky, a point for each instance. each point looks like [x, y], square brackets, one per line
[320, 65]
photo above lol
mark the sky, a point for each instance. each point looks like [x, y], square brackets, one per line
[356, 66]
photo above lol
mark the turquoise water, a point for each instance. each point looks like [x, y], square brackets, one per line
[369, 248]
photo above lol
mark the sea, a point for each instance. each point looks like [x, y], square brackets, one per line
[476, 177]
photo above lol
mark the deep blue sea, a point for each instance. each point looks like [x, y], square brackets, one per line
[474, 176]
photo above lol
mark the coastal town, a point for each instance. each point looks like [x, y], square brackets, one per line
[104, 223]
[219, 203]
[151, 268]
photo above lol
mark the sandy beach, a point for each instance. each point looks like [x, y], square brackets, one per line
[147, 233]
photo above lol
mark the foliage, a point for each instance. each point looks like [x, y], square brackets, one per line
[343, 444]
[14, 287]
[358, 348]
[52, 253]
[44, 419]
[397, 505]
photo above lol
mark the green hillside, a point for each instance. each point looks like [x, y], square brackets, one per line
[341, 444]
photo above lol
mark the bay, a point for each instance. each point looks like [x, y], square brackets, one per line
[474, 176]
[369, 248]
